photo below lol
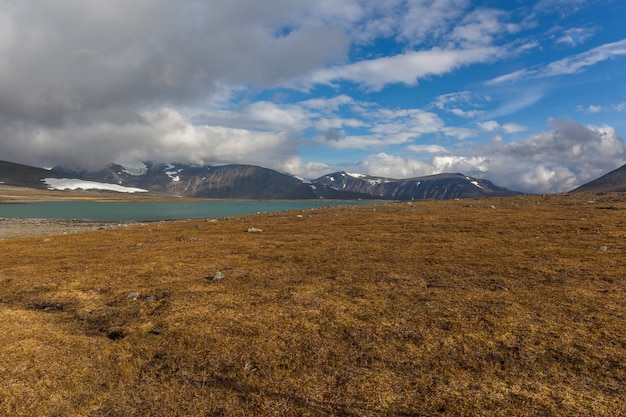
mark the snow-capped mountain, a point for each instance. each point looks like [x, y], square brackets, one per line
[253, 182]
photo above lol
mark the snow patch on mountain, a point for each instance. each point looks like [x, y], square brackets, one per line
[353, 175]
[171, 172]
[136, 170]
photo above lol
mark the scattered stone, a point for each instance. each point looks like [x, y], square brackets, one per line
[198, 227]
[219, 275]
[254, 230]
[47, 240]
[155, 331]
[250, 367]
[150, 298]
[299, 216]
[133, 295]
[602, 248]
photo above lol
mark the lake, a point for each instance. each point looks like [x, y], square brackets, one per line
[146, 211]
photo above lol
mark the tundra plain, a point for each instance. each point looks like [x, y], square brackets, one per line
[493, 307]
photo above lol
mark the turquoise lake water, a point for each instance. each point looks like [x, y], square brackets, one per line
[145, 211]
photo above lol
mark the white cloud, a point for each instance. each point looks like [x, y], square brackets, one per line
[481, 26]
[493, 126]
[513, 128]
[489, 126]
[595, 109]
[161, 135]
[405, 68]
[423, 149]
[460, 133]
[553, 161]
[511, 77]
[575, 36]
[463, 104]
[392, 166]
[259, 115]
[469, 114]
[570, 65]
[430, 18]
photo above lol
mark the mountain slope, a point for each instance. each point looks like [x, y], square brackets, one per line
[614, 181]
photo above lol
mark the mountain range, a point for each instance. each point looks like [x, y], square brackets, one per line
[254, 182]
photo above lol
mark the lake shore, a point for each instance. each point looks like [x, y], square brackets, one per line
[27, 227]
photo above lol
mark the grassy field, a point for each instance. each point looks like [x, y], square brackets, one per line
[497, 307]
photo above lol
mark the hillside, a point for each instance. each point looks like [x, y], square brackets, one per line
[498, 307]
[613, 182]
[20, 175]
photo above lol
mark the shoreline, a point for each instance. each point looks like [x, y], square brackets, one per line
[15, 227]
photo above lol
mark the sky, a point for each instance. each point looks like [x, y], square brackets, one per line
[529, 94]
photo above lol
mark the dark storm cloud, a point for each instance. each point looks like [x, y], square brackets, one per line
[81, 81]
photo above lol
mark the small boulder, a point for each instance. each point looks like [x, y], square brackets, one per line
[219, 275]
[133, 295]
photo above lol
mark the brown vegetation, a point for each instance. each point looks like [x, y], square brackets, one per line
[512, 306]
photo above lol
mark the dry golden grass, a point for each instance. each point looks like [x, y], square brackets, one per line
[499, 307]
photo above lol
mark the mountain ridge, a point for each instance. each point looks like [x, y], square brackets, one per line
[240, 181]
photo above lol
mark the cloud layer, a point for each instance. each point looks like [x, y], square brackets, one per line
[305, 87]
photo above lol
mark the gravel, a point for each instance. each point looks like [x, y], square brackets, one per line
[26, 227]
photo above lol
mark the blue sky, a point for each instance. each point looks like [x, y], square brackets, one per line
[528, 94]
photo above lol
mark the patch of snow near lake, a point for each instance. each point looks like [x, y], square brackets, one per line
[75, 184]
